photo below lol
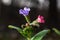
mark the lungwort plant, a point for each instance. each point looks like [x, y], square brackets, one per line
[28, 31]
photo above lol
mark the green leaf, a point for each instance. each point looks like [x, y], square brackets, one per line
[57, 31]
[40, 35]
[28, 31]
[17, 28]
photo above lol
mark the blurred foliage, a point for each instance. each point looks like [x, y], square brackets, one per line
[56, 31]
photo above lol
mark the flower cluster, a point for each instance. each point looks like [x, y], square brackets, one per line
[25, 12]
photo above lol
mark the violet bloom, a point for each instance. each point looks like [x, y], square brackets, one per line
[24, 11]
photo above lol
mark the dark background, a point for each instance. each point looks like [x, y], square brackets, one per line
[9, 15]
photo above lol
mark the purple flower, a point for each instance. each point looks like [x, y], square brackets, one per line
[24, 11]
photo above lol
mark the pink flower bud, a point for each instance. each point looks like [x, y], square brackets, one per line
[40, 19]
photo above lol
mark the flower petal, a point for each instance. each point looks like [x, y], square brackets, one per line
[40, 19]
[27, 9]
[24, 11]
[20, 11]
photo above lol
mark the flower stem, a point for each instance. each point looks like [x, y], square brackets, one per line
[28, 38]
[27, 19]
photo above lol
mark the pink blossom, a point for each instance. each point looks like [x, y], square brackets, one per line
[40, 19]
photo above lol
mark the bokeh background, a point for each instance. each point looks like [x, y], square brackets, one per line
[9, 15]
